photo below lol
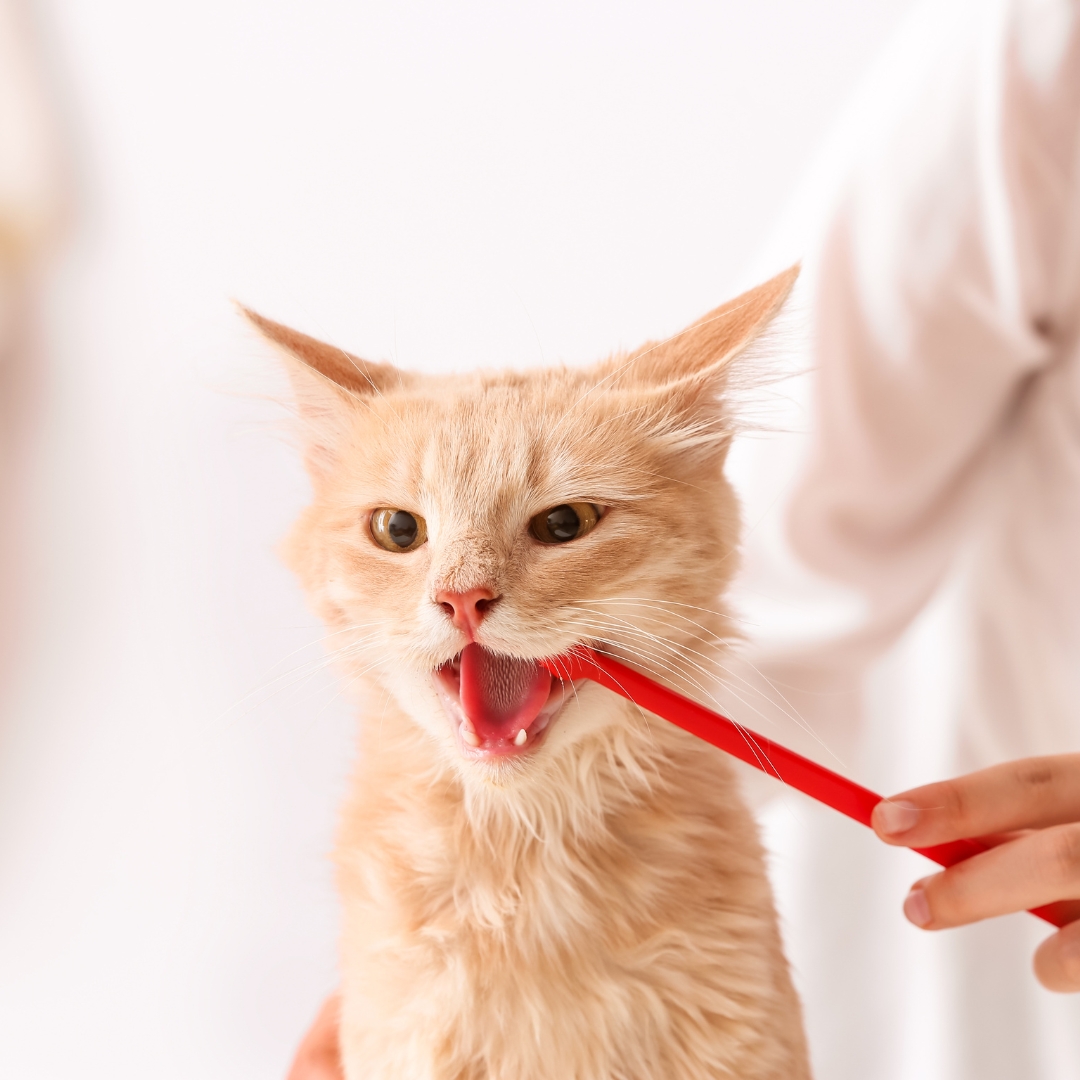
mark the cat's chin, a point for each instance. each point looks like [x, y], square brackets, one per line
[515, 740]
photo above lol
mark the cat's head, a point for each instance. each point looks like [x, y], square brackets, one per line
[465, 526]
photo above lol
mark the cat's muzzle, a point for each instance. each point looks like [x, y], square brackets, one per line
[500, 706]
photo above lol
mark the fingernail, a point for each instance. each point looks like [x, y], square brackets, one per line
[896, 817]
[917, 907]
[1069, 955]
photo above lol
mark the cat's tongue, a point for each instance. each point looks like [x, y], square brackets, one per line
[501, 694]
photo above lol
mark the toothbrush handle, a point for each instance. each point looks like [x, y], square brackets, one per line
[770, 757]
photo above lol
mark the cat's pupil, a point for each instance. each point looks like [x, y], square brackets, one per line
[563, 523]
[402, 528]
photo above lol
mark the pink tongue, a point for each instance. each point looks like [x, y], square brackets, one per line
[500, 694]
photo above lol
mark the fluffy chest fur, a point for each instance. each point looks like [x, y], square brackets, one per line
[538, 879]
[623, 928]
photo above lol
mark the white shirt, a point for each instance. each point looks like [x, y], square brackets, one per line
[912, 569]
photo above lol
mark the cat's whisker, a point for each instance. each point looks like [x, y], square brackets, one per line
[727, 674]
[650, 638]
[355, 678]
[678, 673]
[662, 604]
[651, 664]
[300, 680]
[704, 635]
[788, 709]
[324, 638]
[297, 675]
[764, 717]
[644, 715]
[721, 644]
[779, 701]
[671, 667]
[566, 673]
[724, 644]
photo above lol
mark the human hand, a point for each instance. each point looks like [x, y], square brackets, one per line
[319, 1057]
[1028, 812]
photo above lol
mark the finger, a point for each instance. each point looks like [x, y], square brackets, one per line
[319, 1056]
[1057, 960]
[306, 1067]
[1030, 794]
[1039, 868]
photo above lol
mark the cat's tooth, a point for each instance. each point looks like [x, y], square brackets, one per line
[470, 736]
[520, 737]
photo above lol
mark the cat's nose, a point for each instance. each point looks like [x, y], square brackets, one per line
[466, 609]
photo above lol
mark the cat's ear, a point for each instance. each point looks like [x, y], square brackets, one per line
[314, 358]
[328, 385]
[680, 384]
[705, 349]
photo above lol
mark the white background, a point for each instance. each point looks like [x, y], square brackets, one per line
[442, 185]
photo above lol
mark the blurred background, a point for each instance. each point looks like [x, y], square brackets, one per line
[444, 186]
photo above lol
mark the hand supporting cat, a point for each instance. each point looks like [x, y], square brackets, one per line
[539, 879]
[319, 1055]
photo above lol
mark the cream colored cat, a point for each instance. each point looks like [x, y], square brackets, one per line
[540, 882]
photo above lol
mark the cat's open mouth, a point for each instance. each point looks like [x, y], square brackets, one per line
[500, 705]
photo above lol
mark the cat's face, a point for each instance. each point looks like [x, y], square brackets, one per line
[463, 528]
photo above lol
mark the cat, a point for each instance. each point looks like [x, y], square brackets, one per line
[540, 881]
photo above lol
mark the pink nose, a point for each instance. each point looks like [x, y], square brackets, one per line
[466, 609]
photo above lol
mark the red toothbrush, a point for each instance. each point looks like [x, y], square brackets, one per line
[770, 757]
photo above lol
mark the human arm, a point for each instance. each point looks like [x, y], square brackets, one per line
[1029, 811]
[938, 300]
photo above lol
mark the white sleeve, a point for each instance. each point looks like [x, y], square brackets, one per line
[934, 295]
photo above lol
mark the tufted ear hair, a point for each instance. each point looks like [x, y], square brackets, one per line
[328, 384]
[678, 384]
[331, 362]
[705, 348]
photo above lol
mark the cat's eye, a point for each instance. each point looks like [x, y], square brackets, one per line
[398, 530]
[564, 522]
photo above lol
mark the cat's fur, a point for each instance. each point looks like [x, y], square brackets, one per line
[596, 909]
